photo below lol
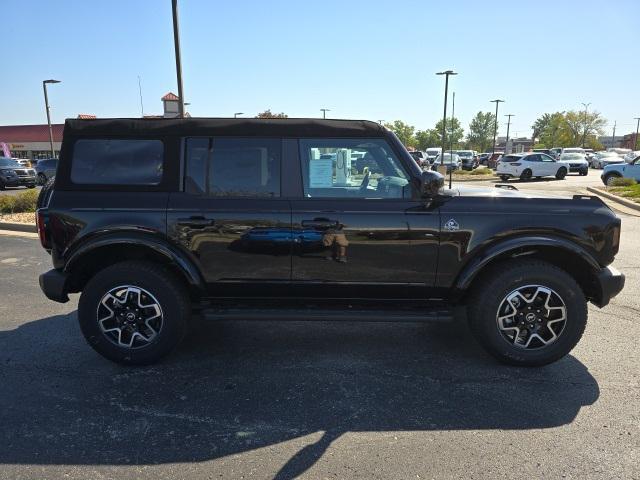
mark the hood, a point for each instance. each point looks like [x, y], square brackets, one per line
[464, 191]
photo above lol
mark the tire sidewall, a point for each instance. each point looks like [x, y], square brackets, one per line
[173, 323]
[485, 323]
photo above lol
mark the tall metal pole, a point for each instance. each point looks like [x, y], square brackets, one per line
[584, 134]
[176, 42]
[635, 144]
[495, 128]
[444, 117]
[47, 108]
[508, 125]
[324, 112]
[613, 139]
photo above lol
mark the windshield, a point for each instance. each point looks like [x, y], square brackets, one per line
[448, 158]
[464, 154]
[572, 156]
[8, 162]
[609, 154]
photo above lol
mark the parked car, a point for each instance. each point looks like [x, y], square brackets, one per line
[184, 234]
[579, 150]
[631, 156]
[450, 160]
[555, 152]
[432, 153]
[420, 158]
[46, 169]
[621, 170]
[468, 159]
[577, 162]
[620, 151]
[602, 159]
[529, 165]
[546, 151]
[483, 157]
[12, 174]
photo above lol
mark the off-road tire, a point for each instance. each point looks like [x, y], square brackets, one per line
[168, 290]
[494, 285]
[609, 177]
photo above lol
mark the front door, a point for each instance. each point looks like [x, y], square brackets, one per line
[229, 215]
[358, 231]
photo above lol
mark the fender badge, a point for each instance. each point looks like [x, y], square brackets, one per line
[451, 225]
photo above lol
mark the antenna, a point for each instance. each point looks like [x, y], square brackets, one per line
[140, 92]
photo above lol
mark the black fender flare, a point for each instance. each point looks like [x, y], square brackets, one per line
[481, 260]
[179, 258]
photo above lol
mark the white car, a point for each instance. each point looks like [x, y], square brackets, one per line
[529, 165]
[432, 153]
[631, 156]
[577, 162]
[602, 159]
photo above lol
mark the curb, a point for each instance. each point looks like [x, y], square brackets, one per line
[19, 227]
[615, 198]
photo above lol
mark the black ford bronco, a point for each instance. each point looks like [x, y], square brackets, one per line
[154, 220]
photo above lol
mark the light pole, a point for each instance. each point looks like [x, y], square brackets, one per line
[46, 105]
[176, 44]
[613, 139]
[446, 73]
[495, 128]
[635, 144]
[235, 115]
[324, 112]
[508, 125]
[380, 121]
[453, 117]
[584, 135]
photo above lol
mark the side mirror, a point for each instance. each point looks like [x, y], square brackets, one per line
[431, 183]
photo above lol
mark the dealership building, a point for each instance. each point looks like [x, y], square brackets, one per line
[32, 141]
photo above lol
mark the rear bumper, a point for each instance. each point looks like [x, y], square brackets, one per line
[610, 282]
[53, 285]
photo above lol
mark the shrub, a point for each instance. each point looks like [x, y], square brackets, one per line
[623, 182]
[22, 202]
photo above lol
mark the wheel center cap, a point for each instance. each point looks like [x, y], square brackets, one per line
[130, 316]
[530, 317]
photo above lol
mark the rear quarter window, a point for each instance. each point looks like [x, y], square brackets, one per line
[117, 162]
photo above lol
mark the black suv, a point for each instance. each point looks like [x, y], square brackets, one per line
[156, 219]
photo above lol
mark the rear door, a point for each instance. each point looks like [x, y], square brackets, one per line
[230, 214]
[361, 232]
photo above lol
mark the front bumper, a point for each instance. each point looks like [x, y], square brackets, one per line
[53, 284]
[609, 282]
[17, 181]
[579, 168]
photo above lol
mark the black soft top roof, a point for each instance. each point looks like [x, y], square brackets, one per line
[281, 127]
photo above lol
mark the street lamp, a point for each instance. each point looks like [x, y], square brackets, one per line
[508, 125]
[495, 128]
[176, 45]
[324, 112]
[446, 73]
[635, 144]
[46, 105]
[584, 135]
[235, 115]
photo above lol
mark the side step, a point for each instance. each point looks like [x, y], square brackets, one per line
[328, 314]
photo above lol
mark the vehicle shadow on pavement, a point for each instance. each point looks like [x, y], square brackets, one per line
[236, 387]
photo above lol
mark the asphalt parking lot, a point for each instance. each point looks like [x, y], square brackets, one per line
[314, 400]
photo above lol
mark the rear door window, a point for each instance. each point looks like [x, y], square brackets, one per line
[117, 162]
[233, 167]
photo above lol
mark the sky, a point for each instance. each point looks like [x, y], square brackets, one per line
[370, 59]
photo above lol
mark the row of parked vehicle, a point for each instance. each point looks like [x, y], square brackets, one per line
[19, 172]
[432, 158]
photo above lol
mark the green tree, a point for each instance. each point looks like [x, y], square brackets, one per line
[404, 132]
[481, 128]
[549, 130]
[267, 114]
[428, 138]
[454, 133]
[579, 126]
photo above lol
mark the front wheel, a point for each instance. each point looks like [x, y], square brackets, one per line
[609, 179]
[134, 312]
[561, 173]
[527, 313]
[504, 178]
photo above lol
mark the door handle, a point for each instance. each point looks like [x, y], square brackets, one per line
[196, 222]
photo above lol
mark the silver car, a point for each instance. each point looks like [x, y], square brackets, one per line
[602, 159]
[46, 169]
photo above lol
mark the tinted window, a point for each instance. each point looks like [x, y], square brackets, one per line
[233, 167]
[117, 162]
[329, 169]
[545, 158]
[513, 158]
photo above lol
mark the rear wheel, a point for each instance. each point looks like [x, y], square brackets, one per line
[526, 174]
[134, 313]
[527, 313]
[561, 173]
[42, 178]
[504, 178]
